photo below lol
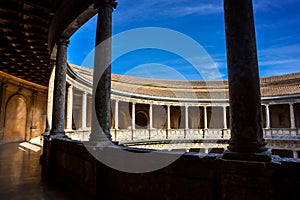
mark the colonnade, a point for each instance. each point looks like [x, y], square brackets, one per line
[168, 114]
[291, 115]
[246, 141]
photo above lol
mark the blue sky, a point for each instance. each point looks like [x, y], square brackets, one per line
[277, 29]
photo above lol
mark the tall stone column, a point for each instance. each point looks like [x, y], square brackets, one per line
[69, 107]
[117, 115]
[50, 99]
[244, 84]
[102, 71]
[267, 117]
[169, 116]
[205, 117]
[186, 114]
[83, 110]
[58, 114]
[150, 116]
[133, 116]
[224, 118]
[292, 116]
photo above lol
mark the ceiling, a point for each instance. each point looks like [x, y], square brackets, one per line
[24, 35]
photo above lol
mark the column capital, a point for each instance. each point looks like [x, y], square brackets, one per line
[291, 103]
[84, 93]
[63, 41]
[70, 86]
[106, 3]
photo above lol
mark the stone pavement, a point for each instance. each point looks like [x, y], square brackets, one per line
[20, 174]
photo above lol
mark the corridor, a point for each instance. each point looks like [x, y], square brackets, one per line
[20, 174]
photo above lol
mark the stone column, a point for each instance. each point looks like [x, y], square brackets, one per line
[58, 113]
[117, 115]
[169, 116]
[83, 110]
[150, 116]
[292, 116]
[69, 107]
[102, 71]
[224, 118]
[205, 117]
[244, 84]
[267, 116]
[50, 99]
[133, 116]
[186, 114]
[295, 154]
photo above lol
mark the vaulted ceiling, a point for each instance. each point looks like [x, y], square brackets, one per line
[26, 26]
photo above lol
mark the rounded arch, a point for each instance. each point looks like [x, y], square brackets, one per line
[141, 120]
[15, 118]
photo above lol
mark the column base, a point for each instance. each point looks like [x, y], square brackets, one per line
[57, 135]
[265, 156]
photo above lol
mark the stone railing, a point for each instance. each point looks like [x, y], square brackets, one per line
[279, 133]
[126, 135]
[171, 134]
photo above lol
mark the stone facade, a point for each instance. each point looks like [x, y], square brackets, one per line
[23, 109]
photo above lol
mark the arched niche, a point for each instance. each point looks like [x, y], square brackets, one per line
[15, 119]
[141, 120]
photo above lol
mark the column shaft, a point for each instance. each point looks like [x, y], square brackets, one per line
[224, 118]
[117, 115]
[150, 116]
[243, 78]
[58, 114]
[102, 72]
[186, 117]
[267, 117]
[50, 100]
[292, 116]
[133, 116]
[205, 117]
[169, 116]
[69, 107]
[83, 110]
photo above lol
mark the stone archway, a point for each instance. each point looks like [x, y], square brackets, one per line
[15, 119]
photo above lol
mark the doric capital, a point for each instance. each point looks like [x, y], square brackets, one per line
[106, 3]
[63, 41]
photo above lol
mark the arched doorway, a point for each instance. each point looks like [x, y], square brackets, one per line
[15, 119]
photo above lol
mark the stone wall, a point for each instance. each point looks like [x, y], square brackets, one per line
[23, 109]
[192, 176]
